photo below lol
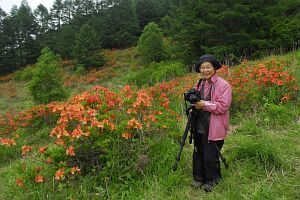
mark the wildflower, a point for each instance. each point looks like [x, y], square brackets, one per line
[43, 149]
[70, 151]
[127, 135]
[26, 149]
[49, 161]
[286, 98]
[38, 168]
[19, 182]
[75, 169]
[133, 123]
[39, 179]
[59, 174]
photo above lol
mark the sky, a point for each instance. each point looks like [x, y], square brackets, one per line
[6, 5]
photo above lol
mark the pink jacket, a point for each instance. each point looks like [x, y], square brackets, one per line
[219, 108]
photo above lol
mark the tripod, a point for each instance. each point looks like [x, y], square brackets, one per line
[184, 136]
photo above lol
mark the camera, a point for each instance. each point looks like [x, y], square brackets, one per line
[192, 96]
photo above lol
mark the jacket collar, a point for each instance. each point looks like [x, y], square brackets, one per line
[214, 78]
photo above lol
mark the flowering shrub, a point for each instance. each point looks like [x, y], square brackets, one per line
[89, 127]
[271, 82]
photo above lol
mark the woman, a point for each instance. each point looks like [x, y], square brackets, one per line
[212, 115]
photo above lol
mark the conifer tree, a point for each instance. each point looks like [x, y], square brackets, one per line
[86, 50]
[150, 44]
[47, 83]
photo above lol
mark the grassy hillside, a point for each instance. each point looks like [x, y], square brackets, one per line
[122, 158]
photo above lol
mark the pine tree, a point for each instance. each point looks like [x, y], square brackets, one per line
[86, 50]
[47, 83]
[150, 44]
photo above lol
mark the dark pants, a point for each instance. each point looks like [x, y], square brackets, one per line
[206, 163]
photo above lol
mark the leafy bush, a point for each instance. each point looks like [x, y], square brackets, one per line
[47, 83]
[156, 72]
[150, 44]
[24, 75]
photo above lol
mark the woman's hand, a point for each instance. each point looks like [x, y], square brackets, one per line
[200, 105]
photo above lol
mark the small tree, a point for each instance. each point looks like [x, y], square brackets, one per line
[86, 50]
[150, 44]
[47, 83]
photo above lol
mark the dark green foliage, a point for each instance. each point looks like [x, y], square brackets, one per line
[86, 49]
[234, 29]
[150, 45]
[47, 83]
[151, 10]
[117, 24]
[230, 30]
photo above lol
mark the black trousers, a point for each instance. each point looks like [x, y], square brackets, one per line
[206, 162]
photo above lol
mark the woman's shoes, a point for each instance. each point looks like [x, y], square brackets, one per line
[197, 184]
[207, 187]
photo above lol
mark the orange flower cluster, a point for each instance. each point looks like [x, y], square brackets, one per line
[7, 141]
[134, 124]
[250, 82]
[25, 149]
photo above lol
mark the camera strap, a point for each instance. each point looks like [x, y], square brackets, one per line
[198, 84]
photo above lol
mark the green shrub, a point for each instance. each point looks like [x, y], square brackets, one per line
[47, 83]
[80, 70]
[156, 72]
[24, 75]
[150, 44]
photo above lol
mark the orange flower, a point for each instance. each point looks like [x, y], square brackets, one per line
[49, 161]
[133, 123]
[279, 82]
[19, 182]
[43, 149]
[127, 135]
[76, 133]
[60, 142]
[38, 168]
[286, 98]
[70, 151]
[26, 149]
[59, 174]
[75, 169]
[39, 179]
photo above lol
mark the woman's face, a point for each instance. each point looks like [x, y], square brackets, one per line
[207, 70]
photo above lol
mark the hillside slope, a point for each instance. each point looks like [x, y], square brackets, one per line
[116, 141]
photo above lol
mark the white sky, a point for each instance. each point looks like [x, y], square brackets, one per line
[6, 5]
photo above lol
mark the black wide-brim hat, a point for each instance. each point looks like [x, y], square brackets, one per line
[207, 58]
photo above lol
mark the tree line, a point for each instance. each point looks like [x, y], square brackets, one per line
[79, 29]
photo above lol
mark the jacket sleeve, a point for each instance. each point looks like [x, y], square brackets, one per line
[222, 103]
